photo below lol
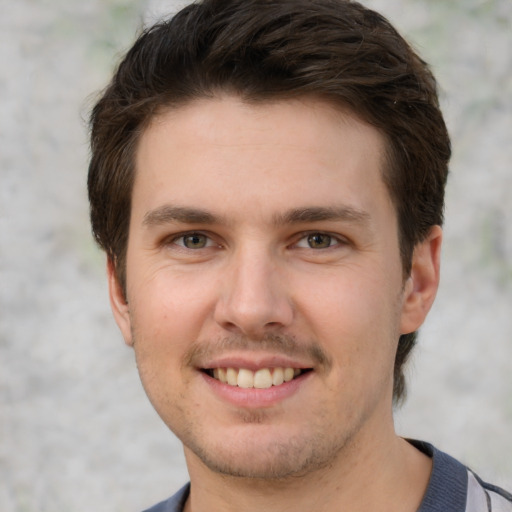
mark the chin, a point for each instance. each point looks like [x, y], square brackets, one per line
[275, 461]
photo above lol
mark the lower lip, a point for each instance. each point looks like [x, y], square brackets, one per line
[255, 398]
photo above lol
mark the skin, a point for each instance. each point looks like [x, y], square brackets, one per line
[262, 281]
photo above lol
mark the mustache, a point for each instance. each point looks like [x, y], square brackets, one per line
[279, 344]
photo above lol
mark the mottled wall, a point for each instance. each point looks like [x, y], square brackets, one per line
[76, 431]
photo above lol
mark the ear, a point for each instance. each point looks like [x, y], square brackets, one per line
[421, 286]
[119, 304]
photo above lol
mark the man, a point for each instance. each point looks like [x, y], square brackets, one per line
[267, 180]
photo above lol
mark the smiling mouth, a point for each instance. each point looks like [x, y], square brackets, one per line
[263, 378]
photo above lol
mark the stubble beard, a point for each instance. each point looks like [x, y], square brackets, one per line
[277, 462]
[280, 460]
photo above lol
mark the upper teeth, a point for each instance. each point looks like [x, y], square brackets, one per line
[260, 379]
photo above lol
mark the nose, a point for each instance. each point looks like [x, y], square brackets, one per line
[254, 298]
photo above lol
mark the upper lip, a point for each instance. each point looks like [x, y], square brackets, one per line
[254, 362]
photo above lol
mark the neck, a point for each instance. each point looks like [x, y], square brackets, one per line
[384, 476]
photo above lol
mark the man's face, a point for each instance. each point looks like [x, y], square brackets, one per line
[263, 243]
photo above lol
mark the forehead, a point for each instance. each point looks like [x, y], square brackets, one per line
[272, 155]
[228, 118]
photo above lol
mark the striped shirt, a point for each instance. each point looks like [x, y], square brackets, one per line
[454, 488]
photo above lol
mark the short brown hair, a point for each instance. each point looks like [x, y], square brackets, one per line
[337, 50]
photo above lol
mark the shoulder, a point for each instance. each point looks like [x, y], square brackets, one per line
[481, 494]
[456, 488]
[174, 504]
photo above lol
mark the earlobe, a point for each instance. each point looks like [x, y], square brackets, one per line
[118, 303]
[421, 287]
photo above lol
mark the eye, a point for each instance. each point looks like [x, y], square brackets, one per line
[317, 241]
[193, 241]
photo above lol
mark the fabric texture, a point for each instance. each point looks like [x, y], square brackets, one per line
[452, 488]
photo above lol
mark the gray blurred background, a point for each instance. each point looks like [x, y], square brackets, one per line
[76, 431]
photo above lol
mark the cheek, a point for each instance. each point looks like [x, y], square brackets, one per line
[350, 299]
[356, 315]
[167, 312]
[166, 292]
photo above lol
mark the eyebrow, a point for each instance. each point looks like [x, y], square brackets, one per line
[168, 214]
[322, 213]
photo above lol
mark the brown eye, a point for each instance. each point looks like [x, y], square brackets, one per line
[194, 241]
[319, 241]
